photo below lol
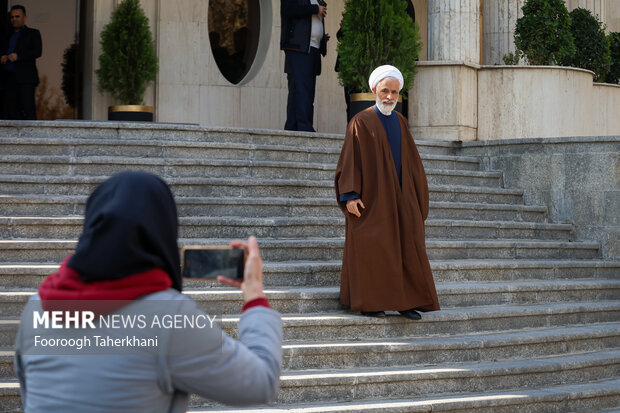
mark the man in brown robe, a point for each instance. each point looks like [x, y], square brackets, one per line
[382, 190]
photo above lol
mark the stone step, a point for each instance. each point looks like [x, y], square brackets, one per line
[10, 400]
[58, 169]
[486, 211]
[213, 168]
[325, 299]
[37, 205]
[352, 326]
[70, 149]
[126, 131]
[169, 149]
[327, 385]
[161, 132]
[287, 227]
[18, 276]
[588, 397]
[469, 194]
[423, 351]
[450, 184]
[55, 250]
[416, 351]
[41, 205]
[577, 398]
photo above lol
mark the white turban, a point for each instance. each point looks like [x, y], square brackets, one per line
[383, 72]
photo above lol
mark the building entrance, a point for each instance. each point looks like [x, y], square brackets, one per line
[58, 95]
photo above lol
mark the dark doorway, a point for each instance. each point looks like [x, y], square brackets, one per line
[4, 29]
[60, 67]
[410, 10]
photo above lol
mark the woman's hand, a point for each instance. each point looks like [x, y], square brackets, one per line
[252, 284]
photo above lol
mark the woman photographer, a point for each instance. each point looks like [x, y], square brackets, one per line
[127, 258]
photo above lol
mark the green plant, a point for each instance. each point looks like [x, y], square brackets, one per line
[71, 79]
[614, 48]
[543, 34]
[591, 43]
[128, 61]
[375, 33]
[511, 59]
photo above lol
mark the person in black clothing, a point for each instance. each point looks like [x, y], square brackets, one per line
[20, 51]
[303, 40]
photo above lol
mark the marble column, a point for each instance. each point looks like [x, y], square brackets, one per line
[443, 102]
[454, 30]
[499, 22]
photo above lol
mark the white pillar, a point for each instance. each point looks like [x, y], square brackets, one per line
[454, 30]
[500, 20]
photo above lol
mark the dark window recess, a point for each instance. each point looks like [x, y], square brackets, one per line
[234, 27]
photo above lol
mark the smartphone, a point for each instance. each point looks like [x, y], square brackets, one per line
[207, 261]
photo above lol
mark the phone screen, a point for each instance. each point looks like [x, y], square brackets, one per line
[210, 262]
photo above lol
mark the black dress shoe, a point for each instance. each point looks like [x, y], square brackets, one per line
[411, 314]
[374, 313]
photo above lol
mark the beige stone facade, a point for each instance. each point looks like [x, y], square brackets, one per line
[460, 40]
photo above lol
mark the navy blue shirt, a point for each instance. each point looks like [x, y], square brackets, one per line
[392, 130]
[12, 44]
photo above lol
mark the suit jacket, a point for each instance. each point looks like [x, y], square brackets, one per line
[296, 16]
[28, 49]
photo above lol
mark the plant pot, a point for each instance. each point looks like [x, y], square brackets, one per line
[130, 113]
[361, 101]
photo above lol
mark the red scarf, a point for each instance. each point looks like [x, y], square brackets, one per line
[67, 285]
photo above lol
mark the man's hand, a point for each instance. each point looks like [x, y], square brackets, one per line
[252, 284]
[13, 57]
[352, 207]
[322, 11]
[4, 59]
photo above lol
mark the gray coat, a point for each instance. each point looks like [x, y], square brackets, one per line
[205, 362]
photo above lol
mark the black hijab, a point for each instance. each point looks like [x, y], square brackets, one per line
[130, 226]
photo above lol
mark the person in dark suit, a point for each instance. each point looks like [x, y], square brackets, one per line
[20, 51]
[303, 40]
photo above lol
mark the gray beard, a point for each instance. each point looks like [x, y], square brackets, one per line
[383, 108]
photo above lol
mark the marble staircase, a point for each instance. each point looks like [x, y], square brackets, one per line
[530, 317]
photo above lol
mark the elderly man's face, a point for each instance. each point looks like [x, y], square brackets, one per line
[18, 19]
[387, 93]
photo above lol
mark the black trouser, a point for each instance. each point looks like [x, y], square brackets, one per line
[19, 99]
[302, 70]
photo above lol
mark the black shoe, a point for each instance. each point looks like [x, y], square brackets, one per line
[411, 314]
[374, 313]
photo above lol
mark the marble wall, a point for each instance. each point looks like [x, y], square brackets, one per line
[190, 87]
[576, 178]
[540, 101]
[444, 98]
[443, 102]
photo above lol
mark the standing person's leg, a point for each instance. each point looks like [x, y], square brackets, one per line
[300, 105]
[305, 80]
[12, 102]
[26, 96]
[291, 121]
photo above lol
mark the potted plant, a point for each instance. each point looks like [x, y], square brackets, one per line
[128, 62]
[375, 33]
